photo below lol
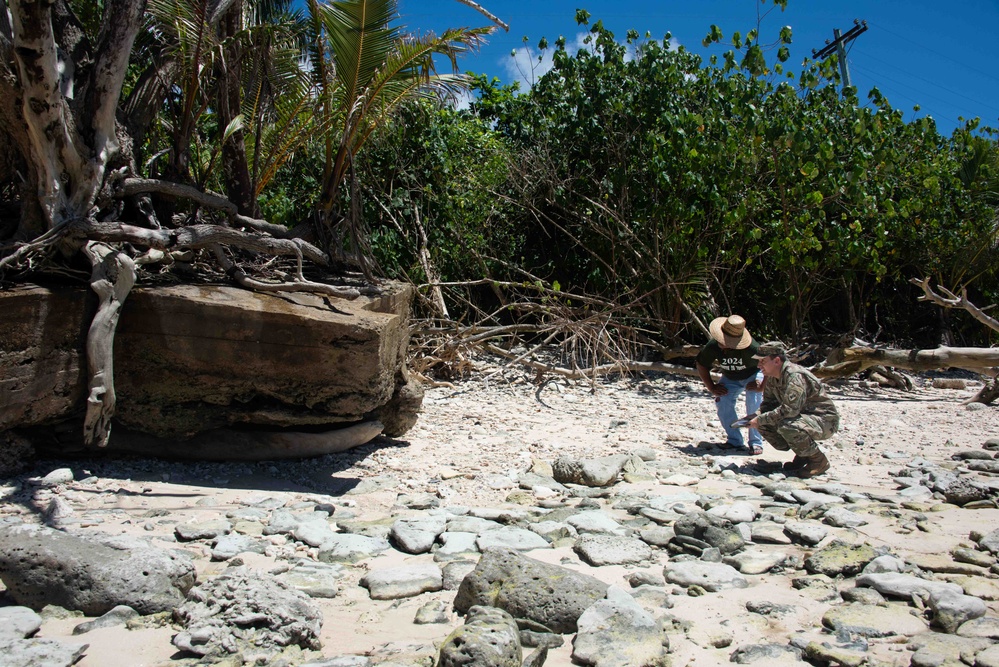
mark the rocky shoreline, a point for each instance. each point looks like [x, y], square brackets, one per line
[578, 524]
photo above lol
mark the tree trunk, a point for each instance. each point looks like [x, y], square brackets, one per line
[235, 167]
[850, 361]
[69, 153]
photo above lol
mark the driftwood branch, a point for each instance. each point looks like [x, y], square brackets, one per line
[264, 227]
[990, 392]
[136, 186]
[850, 361]
[201, 236]
[112, 279]
[950, 300]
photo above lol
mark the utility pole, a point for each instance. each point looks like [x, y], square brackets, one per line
[838, 45]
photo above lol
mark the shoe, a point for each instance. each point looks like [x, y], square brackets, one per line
[807, 467]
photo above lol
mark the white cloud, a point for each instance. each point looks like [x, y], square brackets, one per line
[525, 66]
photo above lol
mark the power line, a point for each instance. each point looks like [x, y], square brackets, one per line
[937, 53]
[892, 92]
[935, 84]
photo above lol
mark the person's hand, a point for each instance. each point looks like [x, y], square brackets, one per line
[718, 389]
[754, 386]
[753, 423]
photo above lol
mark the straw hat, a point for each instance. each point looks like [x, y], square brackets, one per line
[731, 332]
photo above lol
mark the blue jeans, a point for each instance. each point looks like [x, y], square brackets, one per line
[726, 409]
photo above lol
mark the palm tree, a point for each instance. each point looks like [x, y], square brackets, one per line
[365, 67]
[230, 61]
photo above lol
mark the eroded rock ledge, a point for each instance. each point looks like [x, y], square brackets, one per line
[191, 359]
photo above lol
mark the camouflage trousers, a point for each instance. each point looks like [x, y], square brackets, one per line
[799, 434]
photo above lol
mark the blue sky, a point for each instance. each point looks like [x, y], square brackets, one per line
[938, 55]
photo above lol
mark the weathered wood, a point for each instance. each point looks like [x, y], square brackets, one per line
[950, 300]
[987, 394]
[482, 10]
[205, 236]
[112, 279]
[850, 361]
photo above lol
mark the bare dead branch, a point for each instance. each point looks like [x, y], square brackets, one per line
[850, 361]
[479, 8]
[135, 186]
[201, 236]
[587, 373]
[262, 226]
[950, 300]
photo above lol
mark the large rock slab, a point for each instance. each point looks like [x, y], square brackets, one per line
[711, 577]
[405, 581]
[526, 588]
[41, 566]
[904, 586]
[195, 358]
[874, 621]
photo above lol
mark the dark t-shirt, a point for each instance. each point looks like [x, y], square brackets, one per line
[735, 364]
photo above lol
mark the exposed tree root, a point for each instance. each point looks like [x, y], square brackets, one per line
[112, 280]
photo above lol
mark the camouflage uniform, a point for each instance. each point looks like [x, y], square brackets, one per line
[796, 411]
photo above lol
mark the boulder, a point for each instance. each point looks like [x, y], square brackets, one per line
[840, 559]
[713, 530]
[246, 611]
[529, 589]
[196, 358]
[41, 566]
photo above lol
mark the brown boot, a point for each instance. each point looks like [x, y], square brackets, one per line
[796, 464]
[808, 467]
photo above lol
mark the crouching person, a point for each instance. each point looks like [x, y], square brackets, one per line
[796, 411]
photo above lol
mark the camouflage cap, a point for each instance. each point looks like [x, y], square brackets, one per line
[771, 349]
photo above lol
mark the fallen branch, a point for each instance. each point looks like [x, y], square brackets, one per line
[202, 236]
[843, 363]
[951, 300]
[301, 285]
[131, 187]
[593, 371]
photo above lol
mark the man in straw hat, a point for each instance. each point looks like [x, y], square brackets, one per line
[796, 411]
[733, 347]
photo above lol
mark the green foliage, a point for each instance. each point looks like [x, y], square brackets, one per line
[365, 67]
[671, 184]
[633, 171]
[434, 180]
